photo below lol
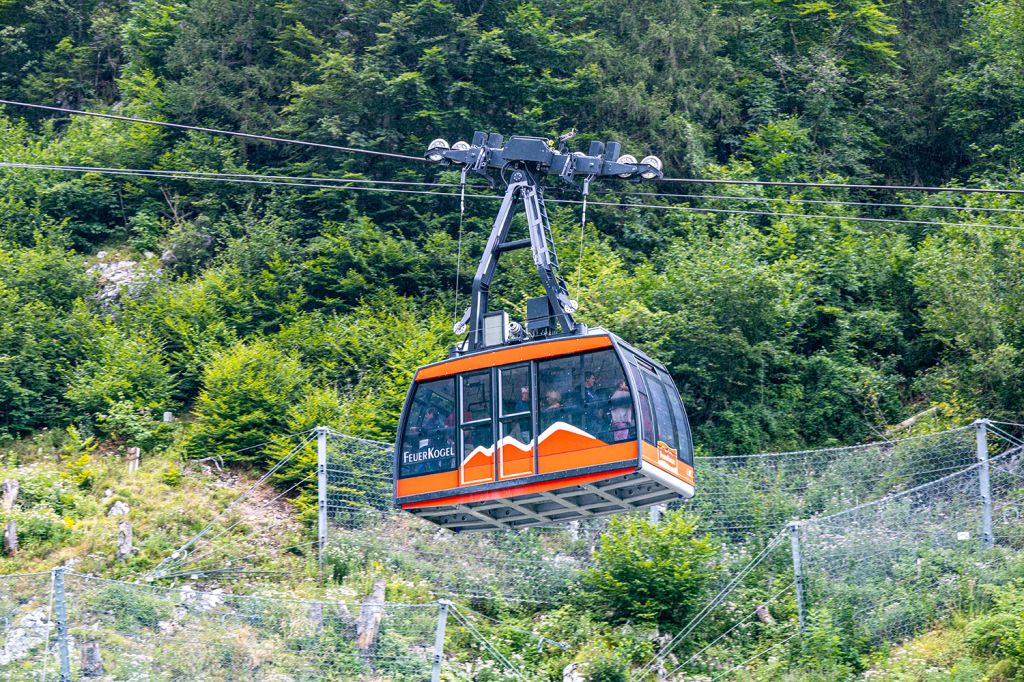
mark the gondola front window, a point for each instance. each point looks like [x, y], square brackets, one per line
[428, 443]
[589, 392]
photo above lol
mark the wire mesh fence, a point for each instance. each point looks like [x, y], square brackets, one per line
[67, 626]
[871, 575]
[360, 480]
[534, 565]
[126, 631]
[893, 541]
[738, 495]
[740, 498]
[885, 570]
[26, 625]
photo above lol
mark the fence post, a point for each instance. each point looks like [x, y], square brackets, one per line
[321, 495]
[798, 571]
[984, 487]
[442, 622]
[654, 514]
[61, 610]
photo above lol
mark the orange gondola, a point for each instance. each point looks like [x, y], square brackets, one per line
[544, 424]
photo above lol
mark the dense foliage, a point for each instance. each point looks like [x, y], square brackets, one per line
[257, 310]
[781, 331]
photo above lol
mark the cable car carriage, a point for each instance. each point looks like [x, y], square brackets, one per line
[547, 424]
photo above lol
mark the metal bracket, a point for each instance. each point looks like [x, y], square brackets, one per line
[523, 190]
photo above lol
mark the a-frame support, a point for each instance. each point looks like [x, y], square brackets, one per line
[523, 190]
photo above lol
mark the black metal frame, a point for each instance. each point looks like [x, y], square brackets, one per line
[525, 160]
[523, 190]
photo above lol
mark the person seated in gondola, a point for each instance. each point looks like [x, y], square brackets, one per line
[523, 403]
[552, 409]
[595, 417]
[621, 411]
[433, 428]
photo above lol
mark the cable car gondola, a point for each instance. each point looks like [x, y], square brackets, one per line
[552, 422]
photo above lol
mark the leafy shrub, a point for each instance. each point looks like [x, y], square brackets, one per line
[38, 526]
[79, 472]
[131, 608]
[606, 667]
[649, 572]
[172, 476]
[134, 425]
[993, 634]
[123, 367]
[247, 392]
[1003, 671]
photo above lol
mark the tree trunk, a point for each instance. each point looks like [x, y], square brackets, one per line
[764, 615]
[124, 540]
[92, 662]
[133, 459]
[370, 616]
[11, 538]
[9, 496]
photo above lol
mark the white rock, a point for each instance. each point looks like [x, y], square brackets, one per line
[24, 635]
[101, 254]
[119, 508]
[569, 674]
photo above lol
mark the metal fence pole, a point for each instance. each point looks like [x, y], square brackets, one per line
[798, 571]
[321, 495]
[61, 610]
[984, 486]
[442, 622]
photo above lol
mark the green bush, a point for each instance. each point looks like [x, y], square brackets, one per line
[649, 572]
[606, 668]
[247, 392]
[131, 608]
[993, 634]
[172, 476]
[1005, 670]
[122, 367]
[134, 425]
[39, 525]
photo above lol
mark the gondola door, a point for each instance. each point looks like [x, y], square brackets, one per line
[516, 442]
[476, 428]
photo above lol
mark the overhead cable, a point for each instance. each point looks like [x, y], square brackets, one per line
[409, 157]
[843, 185]
[832, 202]
[324, 184]
[159, 172]
[817, 216]
[213, 131]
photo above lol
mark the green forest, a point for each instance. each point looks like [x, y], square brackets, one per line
[790, 316]
[781, 332]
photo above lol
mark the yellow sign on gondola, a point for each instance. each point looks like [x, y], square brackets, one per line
[667, 455]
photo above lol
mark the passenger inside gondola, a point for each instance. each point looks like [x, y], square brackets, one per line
[621, 411]
[429, 443]
[552, 411]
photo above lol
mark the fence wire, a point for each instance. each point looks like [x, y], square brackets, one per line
[885, 570]
[125, 631]
[739, 495]
[27, 625]
[872, 575]
[534, 565]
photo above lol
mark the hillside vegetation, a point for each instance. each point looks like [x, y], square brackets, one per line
[250, 311]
